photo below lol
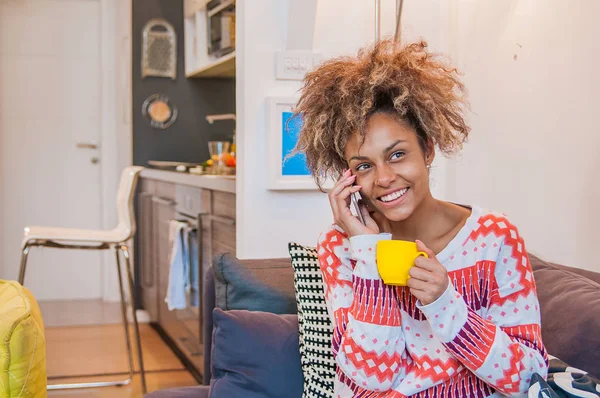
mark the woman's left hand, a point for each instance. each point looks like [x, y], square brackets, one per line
[428, 278]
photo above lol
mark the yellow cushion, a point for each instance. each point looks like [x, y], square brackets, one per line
[23, 345]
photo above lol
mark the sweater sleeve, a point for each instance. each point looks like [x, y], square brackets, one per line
[368, 342]
[503, 345]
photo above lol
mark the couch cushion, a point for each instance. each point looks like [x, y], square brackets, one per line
[316, 330]
[255, 285]
[255, 354]
[569, 304]
[23, 348]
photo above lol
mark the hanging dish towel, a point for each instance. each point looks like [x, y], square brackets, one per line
[179, 272]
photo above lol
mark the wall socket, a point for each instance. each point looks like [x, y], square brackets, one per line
[293, 65]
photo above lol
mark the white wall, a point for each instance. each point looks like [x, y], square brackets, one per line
[533, 153]
[531, 68]
[268, 220]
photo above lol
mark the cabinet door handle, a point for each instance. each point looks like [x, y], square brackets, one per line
[222, 220]
[145, 236]
[163, 201]
[200, 237]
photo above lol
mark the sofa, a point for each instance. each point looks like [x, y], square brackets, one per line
[569, 300]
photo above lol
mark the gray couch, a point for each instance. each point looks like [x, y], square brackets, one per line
[569, 300]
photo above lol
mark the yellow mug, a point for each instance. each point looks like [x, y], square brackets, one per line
[394, 259]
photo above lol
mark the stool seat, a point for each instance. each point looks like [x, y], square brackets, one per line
[74, 235]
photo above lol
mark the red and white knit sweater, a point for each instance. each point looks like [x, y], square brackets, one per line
[481, 338]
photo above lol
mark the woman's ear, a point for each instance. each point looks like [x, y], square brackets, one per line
[429, 152]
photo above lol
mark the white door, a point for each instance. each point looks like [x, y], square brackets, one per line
[49, 101]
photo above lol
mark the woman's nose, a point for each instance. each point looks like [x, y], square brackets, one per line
[385, 176]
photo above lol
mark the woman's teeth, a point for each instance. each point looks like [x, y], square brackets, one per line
[393, 195]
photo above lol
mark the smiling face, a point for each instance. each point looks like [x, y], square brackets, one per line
[391, 166]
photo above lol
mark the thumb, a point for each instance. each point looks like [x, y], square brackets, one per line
[422, 248]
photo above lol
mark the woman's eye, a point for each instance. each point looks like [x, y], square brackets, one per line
[397, 155]
[362, 167]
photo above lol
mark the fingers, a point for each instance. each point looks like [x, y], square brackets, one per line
[427, 264]
[428, 278]
[339, 197]
[416, 284]
[423, 296]
[369, 222]
[422, 248]
[345, 180]
[341, 202]
[420, 274]
[364, 210]
[343, 188]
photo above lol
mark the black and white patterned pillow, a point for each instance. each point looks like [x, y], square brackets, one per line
[563, 381]
[316, 330]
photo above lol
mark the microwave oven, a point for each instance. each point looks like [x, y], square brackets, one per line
[220, 22]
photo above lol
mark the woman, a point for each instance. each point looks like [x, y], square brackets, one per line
[468, 323]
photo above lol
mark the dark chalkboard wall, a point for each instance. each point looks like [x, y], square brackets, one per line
[186, 140]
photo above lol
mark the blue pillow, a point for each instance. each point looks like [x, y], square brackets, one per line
[255, 285]
[255, 354]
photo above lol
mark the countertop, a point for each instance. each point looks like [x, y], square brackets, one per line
[216, 183]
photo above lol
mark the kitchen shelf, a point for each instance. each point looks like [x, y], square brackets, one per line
[223, 67]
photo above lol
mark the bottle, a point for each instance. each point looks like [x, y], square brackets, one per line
[233, 144]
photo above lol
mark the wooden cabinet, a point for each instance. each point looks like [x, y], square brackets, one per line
[213, 214]
[219, 226]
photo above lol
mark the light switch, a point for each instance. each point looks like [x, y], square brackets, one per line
[293, 65]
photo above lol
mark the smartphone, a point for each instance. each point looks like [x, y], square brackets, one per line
[354, 199]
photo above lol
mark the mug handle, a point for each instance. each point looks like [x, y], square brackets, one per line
[422, 254]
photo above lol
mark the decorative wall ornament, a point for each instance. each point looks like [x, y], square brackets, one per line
[159, 49]
[286, 173]
[159, 111]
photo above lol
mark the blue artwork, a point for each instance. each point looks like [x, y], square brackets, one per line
[296, 165]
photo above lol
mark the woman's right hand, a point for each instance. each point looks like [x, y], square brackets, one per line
[339, 198]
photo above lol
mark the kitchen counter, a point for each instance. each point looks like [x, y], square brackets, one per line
[216, 183]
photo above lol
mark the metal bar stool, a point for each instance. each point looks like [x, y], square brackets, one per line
[86, 239]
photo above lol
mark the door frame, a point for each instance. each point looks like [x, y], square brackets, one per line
[116, 130]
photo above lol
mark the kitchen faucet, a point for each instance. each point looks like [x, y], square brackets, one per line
[226, 116]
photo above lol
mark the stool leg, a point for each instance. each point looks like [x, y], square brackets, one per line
[125, 251]
[127, 340]
[124, 314]
[24, 254]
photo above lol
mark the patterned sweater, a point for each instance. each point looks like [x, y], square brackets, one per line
[481, 338]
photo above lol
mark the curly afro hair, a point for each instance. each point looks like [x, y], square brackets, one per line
[339, 96]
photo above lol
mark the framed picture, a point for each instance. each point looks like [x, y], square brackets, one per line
[285, 173]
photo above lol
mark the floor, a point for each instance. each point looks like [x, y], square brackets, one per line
[83, 339]
[80, 312]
